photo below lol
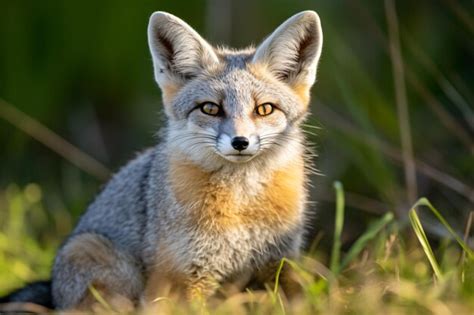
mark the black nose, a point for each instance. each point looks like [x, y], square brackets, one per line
[240, 143]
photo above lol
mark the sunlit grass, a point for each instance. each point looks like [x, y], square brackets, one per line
[27, 242]
[338, 225]
[383, 271]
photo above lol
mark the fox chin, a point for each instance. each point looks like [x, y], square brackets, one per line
[222, 198]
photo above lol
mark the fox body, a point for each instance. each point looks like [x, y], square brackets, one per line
[222, 197]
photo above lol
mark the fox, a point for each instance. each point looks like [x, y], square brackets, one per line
[223, 195]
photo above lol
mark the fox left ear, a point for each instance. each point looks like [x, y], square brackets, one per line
[292, 51]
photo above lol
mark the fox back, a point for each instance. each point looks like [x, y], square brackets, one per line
[222, 197]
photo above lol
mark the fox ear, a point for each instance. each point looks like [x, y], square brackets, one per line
[292, 51]
[178, 51]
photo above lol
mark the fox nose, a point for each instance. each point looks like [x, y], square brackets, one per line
[240, 143]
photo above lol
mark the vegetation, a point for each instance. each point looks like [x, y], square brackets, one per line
[384, 271]
[392, 118]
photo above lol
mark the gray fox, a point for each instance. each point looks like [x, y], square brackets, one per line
[223, 196]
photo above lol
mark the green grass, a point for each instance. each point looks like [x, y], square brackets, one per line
[384, 271]
[28, 236]
[339, 222]
[387, 256]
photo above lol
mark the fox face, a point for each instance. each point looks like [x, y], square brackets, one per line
[234, 106]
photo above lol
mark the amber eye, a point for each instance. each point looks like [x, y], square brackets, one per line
[264, 109]
[211, 109]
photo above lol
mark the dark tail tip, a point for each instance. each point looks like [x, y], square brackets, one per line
[38, 293]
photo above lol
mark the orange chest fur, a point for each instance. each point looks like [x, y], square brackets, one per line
[213, 203]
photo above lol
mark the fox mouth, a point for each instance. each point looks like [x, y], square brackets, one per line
[240, 154]
[237, 157]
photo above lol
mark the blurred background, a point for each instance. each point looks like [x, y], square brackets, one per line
[82, 69]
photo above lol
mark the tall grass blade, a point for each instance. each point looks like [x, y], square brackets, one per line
[47, 137]
[339, 223]
[426, 203]
[467, 230]
[420, 234]
[401, 100]
[371, 232]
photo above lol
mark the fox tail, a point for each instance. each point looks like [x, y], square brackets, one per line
[35, 297]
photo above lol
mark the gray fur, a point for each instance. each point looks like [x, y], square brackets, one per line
[138, 208]
[293, 50]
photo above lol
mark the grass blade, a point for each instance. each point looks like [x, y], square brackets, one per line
[277, 275]
[420, 234]
[339, 223]
[401, 100]
[100, 299]
[426, 203]
[292, 265]
[53, 141]
[467, 230]
[371, 232]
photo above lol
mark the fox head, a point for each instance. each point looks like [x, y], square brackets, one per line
[235, 106]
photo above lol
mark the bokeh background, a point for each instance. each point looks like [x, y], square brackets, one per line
[83, 70]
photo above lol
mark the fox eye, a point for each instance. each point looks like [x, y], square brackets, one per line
[264, 109]
[211, 109]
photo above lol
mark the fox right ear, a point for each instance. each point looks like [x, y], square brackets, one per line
[178, 51]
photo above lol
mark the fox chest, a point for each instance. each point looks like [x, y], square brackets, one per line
[226, 226]
[215, 205]
[224, 237]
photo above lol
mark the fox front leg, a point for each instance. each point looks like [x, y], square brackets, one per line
[194, 289]
[200, 286]
[191, 287]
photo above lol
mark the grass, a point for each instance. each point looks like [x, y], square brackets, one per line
[27, 236]
[410, 264]
[339, 222]
[384, 271]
